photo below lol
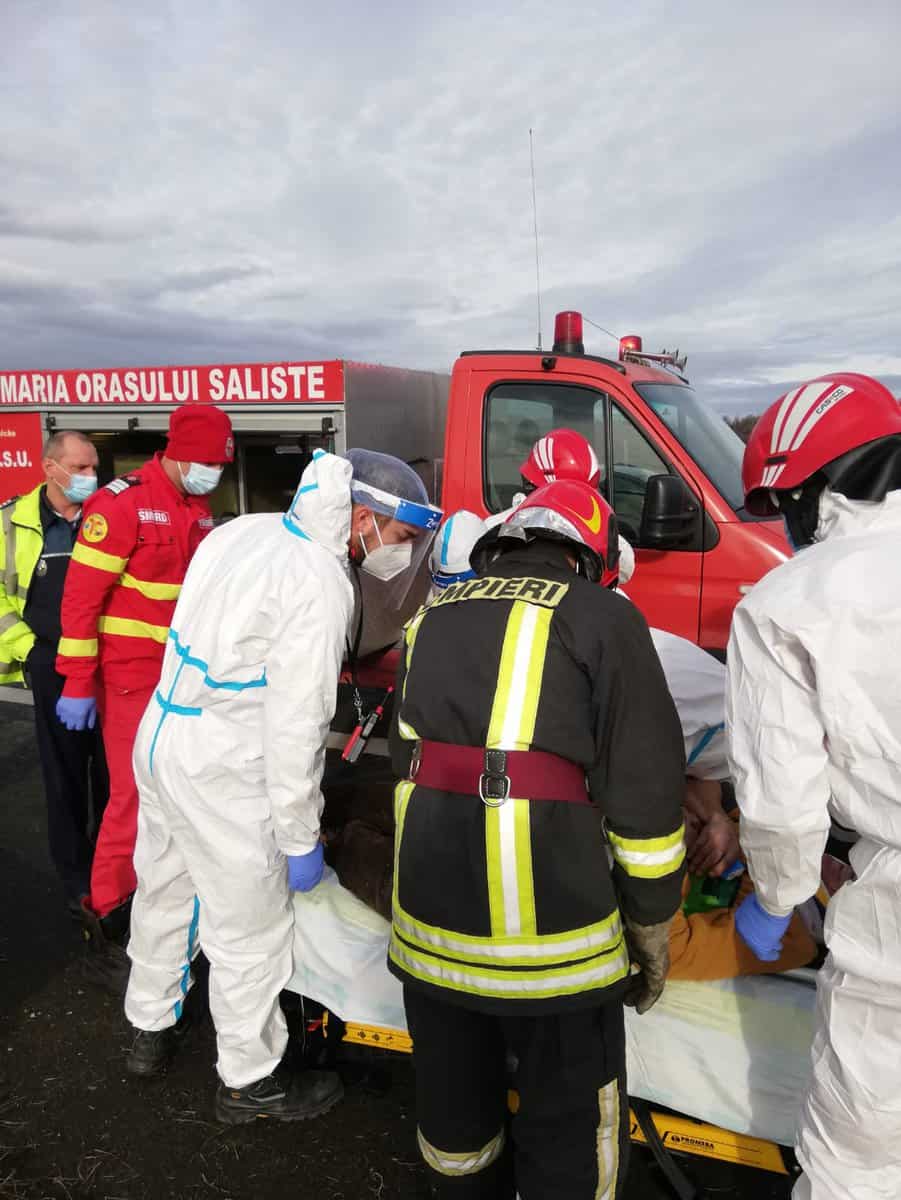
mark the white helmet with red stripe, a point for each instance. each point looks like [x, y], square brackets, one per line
[840, 430]
[561, 454]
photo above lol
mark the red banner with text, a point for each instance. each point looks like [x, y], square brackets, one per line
[242, 383]
[21, 438]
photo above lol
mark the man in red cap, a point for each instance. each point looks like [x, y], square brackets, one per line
[136, 540]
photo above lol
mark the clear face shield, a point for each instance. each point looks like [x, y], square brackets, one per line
[393, 558]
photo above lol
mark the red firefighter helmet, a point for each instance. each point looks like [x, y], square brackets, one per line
[811, 427]
[573, 512]
[561, 454]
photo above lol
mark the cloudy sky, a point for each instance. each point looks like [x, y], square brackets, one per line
[233, 180]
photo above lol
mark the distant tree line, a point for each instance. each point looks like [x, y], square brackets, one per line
[743, 425]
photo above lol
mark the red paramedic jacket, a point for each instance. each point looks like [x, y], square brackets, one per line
[136, 539]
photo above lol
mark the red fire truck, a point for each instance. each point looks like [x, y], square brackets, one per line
[671, 465]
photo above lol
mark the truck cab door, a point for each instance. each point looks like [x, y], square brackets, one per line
[667, 582]
[514, 413]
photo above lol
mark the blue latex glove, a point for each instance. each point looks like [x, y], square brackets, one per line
[760, 930]
[305, 870]
[77, 713]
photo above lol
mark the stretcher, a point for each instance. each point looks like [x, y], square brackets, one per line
[730, 1058]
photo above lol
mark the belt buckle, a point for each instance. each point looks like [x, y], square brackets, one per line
[415, 761]
[494, 782]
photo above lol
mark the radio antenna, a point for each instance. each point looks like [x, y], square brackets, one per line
[535, 223]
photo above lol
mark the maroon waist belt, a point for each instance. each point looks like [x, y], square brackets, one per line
[493, 775]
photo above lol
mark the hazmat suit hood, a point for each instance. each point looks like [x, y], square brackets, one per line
[839, 516]
[321, 508]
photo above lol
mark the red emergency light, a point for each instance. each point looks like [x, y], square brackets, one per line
[630, 344]
[568, 333]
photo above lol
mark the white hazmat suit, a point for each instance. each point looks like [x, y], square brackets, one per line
[697, 684]
[814, 719]
[228, 761]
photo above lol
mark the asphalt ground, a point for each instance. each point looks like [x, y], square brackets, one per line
[74, 1127]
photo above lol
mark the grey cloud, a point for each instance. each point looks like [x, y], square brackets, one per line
[356, 183]
[50, 228]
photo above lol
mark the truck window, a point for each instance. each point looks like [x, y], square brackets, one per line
[518, 414]
[704, 434]
[634, 461]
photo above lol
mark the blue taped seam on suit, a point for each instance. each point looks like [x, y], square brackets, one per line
[163, 715]
[295, 529]
[182, 710]
[446, 540]
[444, 580]
[186, 969]
[705, 742]
[184, 653]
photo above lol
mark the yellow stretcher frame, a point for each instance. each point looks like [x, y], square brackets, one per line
[682, 1135]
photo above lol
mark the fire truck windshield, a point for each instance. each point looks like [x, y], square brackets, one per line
[716, 448]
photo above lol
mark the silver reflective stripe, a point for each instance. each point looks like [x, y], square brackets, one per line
[551, 949]
[599, 972]
[10, 574]
[8, 621]
[608, 1141]
[468, 1163]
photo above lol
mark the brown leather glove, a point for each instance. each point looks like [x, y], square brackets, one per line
[649, 951]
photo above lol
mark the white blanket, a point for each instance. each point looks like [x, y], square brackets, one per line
[735, 1053]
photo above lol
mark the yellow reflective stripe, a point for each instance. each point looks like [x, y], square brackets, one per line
[649, 858]
[547, 949]
[601, 971]
[494, 863]
[525, 883]
[468, 1163]
[122, 627]
[402, 794]
[508, 844]
[648, 845]
[407, 732]
[515, 706]
[505, 676]
[9, 673]
[90, 557]
[77, 647]
[508, 847]
[153, 591]
[608, 1141]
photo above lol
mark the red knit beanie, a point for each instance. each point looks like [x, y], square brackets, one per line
[200, 433]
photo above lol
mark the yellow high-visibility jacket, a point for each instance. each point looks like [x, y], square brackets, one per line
[21, 542]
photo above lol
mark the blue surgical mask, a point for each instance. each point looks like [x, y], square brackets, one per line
[199, 479]
[80, 487]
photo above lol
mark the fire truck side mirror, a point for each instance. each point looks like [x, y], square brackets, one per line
[671, 515]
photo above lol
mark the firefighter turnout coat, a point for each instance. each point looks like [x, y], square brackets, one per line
[517, 907]
[135, 543]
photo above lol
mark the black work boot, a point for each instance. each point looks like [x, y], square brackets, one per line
[153, 1049]
[106, 963]
[308, 1095]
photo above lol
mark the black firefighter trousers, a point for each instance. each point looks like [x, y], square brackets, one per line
[563, 1129]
